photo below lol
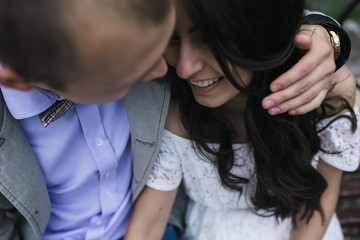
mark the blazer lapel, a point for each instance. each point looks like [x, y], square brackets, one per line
[21, 180]
[146, 105]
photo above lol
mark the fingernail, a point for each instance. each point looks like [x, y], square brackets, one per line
[275, 88]
[292, 112]
[268, 104]
[274, 111]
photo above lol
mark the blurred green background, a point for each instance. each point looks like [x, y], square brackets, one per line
[333, 7]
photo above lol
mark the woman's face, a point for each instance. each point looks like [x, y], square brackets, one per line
[194, 62]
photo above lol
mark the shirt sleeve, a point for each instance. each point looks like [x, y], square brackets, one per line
[341, 146]
[166, 173]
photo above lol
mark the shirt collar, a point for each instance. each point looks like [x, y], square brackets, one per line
[30, 103]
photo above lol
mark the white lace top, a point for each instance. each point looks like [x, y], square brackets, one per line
[212, 206]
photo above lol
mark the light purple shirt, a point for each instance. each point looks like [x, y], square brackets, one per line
[85, 157]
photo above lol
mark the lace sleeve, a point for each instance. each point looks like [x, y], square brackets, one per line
[166, 173]
[341, 145]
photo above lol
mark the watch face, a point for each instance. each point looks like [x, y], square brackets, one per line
[335, 38]
[335, 42]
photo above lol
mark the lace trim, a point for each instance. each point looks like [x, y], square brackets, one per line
[341, 146]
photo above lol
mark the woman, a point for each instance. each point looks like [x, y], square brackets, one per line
[249, 175]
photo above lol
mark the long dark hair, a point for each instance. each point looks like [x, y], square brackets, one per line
[257, 35]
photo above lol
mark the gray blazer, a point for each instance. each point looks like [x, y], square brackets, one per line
[24, 201]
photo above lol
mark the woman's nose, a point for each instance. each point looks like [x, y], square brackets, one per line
[189, 62]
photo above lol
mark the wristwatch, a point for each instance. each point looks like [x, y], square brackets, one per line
[335, 42]
[331, 25]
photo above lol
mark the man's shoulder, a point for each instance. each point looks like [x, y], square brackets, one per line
[157, 86]
[2, 109]
[151, 95]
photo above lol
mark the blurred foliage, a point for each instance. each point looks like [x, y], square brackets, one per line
[334, 8]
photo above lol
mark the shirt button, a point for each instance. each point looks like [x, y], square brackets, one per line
[107, 174]
[98, 141]
[108, 193]
[98, 222]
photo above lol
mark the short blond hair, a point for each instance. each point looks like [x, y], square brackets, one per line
[37, 36]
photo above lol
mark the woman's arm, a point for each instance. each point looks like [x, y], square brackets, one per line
[153, 207]
[316, 227]
[345, 86]
[151, 213]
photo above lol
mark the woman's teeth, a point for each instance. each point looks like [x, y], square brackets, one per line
[206, 83]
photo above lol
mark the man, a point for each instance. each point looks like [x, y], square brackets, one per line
[79, 50]
[71, 178]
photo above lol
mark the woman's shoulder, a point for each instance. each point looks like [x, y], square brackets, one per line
[345, 86]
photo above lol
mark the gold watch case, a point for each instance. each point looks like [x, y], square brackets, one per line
[335, 42]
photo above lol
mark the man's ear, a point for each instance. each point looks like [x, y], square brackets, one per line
[11, 79]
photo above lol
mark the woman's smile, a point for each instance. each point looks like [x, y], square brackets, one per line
[205, 85]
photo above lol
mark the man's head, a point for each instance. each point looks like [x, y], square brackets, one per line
[89, 51]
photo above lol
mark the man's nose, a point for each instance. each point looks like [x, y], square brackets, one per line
[159, 71]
